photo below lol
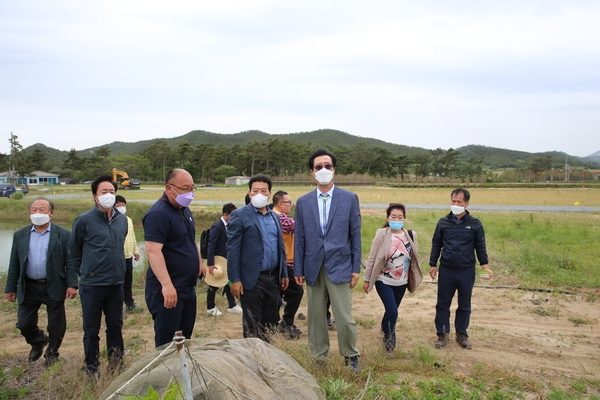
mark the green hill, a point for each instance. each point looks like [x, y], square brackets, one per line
[494, 158]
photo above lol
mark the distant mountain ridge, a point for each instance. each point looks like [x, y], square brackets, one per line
[595, 156]
[493, 157]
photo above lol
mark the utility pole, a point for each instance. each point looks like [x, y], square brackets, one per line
[11, 167]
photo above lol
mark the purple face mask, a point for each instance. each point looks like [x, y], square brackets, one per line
[185, 199]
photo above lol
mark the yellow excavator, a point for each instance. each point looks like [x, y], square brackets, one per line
[124, 181]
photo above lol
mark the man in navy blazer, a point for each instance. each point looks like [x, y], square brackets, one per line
[217, 246]
[327, 252]
[41, 272]
[256, 263]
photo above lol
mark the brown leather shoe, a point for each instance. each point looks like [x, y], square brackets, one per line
[463, 341]
[442, 341]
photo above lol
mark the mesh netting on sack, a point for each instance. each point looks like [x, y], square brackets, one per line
[218, 369]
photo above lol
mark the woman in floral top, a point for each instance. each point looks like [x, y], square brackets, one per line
[393, 251]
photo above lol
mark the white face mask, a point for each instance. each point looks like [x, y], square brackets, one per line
[259, 201]
[324, 176]
[39, 219]
[107, 200]
[122, 210]
[457, 210]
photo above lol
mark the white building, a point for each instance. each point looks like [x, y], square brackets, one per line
[35, 178]
[237, 180]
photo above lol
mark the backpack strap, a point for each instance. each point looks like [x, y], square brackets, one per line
[410, 233]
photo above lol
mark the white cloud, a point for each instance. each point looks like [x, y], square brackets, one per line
[521, 75]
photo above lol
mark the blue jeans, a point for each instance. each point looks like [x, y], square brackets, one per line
[391, 296]
[451, 281]
[96, 300]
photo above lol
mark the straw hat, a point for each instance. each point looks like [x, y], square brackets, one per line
[219, 276]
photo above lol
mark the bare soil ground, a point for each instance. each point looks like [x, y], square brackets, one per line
[536, 336]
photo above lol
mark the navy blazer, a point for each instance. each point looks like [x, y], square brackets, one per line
[217, 242]
[245, 247]
[339, 248]
[60, 271]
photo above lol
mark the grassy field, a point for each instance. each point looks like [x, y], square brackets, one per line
[527, 196]
[556, 251]
[528, 248]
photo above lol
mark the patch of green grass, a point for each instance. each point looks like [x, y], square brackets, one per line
[579, 321]
[389, 379]
[446, 388]
[544, 312]
[365, 323]
[8, 393]
[560, 394]
[135, 343]
[579, 385]
[425, 356]
[336, 389]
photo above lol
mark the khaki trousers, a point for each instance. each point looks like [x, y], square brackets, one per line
[340, 296]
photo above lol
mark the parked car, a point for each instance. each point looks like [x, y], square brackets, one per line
[8, 189]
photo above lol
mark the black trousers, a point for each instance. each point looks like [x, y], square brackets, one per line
[96, 300]
[292, 297]
[36, 294]
[127, 291]
[211, 293]
[260, 309]
[169, 320]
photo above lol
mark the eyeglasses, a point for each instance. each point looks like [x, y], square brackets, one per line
[192, 189]
[326, 166]
[287, 202]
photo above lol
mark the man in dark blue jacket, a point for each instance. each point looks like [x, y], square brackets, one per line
[97, 250]
[458, 237]
[217, 246]
[256, 260]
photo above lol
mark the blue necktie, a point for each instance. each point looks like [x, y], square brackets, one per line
[324, 225]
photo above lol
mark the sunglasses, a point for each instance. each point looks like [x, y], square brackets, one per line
[326, 166]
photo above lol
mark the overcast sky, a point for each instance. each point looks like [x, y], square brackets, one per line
[521, 75]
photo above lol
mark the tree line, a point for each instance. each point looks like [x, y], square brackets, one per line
[278, 158]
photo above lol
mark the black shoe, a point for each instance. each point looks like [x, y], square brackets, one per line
[296, 330]
[38, 349]
[288, 330]
[353, 363]
[51, 359]
[133, 309]
[92, 373]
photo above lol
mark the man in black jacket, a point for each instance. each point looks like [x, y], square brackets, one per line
[217, 246]
[461, 236]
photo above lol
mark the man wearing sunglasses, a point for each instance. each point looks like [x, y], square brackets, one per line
[175, 263]
[327, 251]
